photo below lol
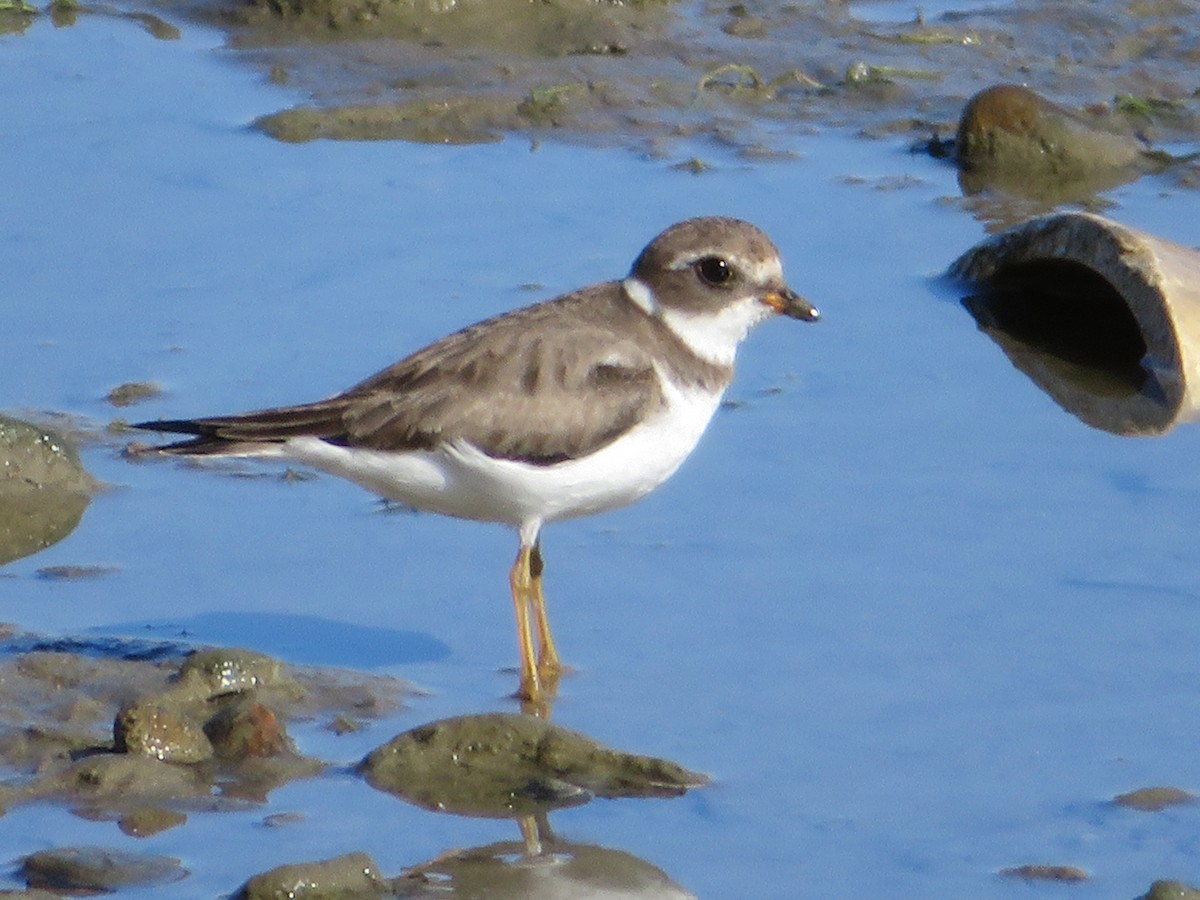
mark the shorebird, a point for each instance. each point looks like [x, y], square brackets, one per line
[566, 408]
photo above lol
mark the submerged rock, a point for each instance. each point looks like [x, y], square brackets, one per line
[343, 877]
[150, 820]
[247, 729]
[226, 670]
[122, 781]
[1154, 799]
[140, 734]
[1046, 872]
[457, 120]
[501, 871]
[507, 765]
[97, 869]
[149, 728]
[132, 392]
[1171, 890]
[44, 489]
[1013, 139]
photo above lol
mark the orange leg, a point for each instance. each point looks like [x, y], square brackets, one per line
[520, 580]
[548, 664]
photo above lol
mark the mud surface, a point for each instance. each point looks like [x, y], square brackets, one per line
[645, 73]
[142, 734]
[149, 735]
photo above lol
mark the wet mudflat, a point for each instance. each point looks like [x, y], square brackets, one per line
[651, 74]
[926, 631]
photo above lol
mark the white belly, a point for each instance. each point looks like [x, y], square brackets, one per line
[460, 480]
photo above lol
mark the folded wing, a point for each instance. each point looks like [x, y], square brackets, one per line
[509, 386]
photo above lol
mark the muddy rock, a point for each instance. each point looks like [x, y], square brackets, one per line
[507, 765]
[58, 669]
[124, 731]
[150, 728]
[97, 869]
[354, 875]
[1013, 139]
[1154, 799]
[1171, 890]
[246, 728]
[17, 17]
[44, 489]
[218, 671]
[455, 120]
[149, 821]
[122, 781]
[132, 392]
[1046, 872]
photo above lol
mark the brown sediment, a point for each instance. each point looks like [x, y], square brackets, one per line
[471, 70]
[144, 737]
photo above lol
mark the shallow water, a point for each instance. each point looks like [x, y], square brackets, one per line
[918, 623]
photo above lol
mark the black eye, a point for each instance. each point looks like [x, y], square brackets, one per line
[714, 270]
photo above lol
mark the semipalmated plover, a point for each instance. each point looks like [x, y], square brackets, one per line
[577, 405]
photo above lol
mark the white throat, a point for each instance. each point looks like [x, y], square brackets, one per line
[714, 337]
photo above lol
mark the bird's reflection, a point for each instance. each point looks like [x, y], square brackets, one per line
[542, 705]
[561, 869]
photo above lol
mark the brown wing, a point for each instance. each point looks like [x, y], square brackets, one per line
[509, 386]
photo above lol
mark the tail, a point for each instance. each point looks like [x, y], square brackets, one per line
[205, 442]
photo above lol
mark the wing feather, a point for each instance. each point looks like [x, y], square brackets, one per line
[509, 386]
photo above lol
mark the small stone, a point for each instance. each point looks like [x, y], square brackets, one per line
[132, 392]
[230, 670]
[150, 821]
[1171, 890]
[121, 777]
[352, 875]
[148, 728]
[97, 869]
[1043, 872]
[1154, 799]
[343, 724]
[75, 573]
[242, 730]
